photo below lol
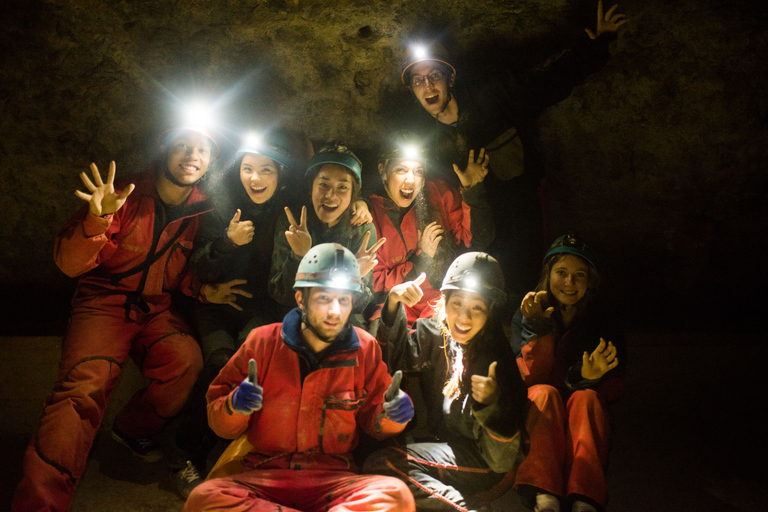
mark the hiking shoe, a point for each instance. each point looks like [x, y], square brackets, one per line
[186, 480]
[144, 448]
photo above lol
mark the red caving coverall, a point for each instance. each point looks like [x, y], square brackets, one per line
[129, 262]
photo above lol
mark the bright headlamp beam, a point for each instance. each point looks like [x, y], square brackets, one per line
[253, 140]
[419, 51]
[411, 152]
[198, 115]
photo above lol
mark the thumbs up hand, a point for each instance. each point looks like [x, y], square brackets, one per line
[485, 389]
[409, 293]
[247, 398]
[397, 404]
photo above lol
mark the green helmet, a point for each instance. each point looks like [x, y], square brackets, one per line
[274, 144]
[329, 266]
[477, 272]
[421, 52]
[337, 153]
[572, 244]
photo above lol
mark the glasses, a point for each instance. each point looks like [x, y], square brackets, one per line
[433, 77]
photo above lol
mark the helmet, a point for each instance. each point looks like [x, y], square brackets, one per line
[403, 146]
[572, 244]
[274, 144]
[329, 266]
[476, 272]
[168, 136]
[337, 153]
[426, 51]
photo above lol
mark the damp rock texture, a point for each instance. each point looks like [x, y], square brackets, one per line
[659, 158]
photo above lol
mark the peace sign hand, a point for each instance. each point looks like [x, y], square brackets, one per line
[225, 293]
[298, 234]
[102, 199]
[533, 305]
[240, 233]
[366, 258]
[476, 170]
[607, 23]
[602, 360]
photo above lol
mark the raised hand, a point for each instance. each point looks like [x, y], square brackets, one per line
[534, 305]
[409, 293]
[298, 234]
[240, 233]
[602, 360]
[102, 199]
[366, 258]
[360, 214]
[476, 170]
[485, 389]
[607, 22]
[248, 397]
[225, 293]
[430, 238]
[397, 404]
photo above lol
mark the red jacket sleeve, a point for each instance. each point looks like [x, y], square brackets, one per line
[455, 212]
[85, 241]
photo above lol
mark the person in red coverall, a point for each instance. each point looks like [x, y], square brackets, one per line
[129, 245]
[568, 345]
[295, 394]
[425, 221]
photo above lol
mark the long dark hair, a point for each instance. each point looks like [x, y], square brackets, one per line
[482, 341]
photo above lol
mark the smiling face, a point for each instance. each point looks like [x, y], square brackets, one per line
[569, 279]
[327, 309]
[188, 157]
[403, 180]
[466, 314]
[332, 192]
[433, 96]
[259, 177]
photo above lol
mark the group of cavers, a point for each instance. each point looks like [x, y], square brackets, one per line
[277, 307]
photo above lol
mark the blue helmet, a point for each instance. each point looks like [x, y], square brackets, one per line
[572, 244]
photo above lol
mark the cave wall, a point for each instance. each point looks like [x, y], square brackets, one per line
[658, 158]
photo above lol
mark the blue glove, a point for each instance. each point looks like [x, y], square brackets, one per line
[397, 404]
[248, 395]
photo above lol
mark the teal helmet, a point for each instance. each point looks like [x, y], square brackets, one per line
[477, 272]
[421, 52]
[274, 144]
[572, 244]
[329, 266]
[337, 153]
